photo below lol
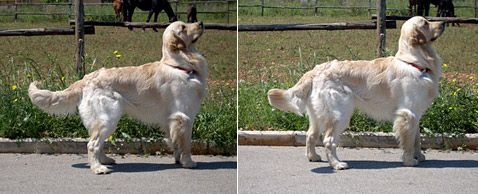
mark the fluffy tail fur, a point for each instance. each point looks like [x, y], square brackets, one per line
[294, 99]
[59, 102]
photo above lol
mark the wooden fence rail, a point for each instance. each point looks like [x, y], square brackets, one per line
[208, 26]
[316, 7]
[318, 26]
[445, 19]
[45, 31]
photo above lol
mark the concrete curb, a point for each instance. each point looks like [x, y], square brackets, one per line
[78, 146]
[355, 139]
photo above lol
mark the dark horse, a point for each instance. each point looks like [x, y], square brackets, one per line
[153, 6]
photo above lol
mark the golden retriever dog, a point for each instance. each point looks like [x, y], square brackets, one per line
[398, 89]
[167, 92]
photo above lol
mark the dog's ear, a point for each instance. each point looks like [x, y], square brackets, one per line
[178, 43]
[417, 37]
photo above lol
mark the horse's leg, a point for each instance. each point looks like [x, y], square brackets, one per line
[123, 12]
[156, 19]
[130, 16]
[149, 16]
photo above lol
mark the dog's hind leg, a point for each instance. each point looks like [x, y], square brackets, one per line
[335, 115]
[100, 116]
[95, 146]
[405, 127]
[181, 132]
[418, 147]
[105, 159]
[312, 135]
[330, 144]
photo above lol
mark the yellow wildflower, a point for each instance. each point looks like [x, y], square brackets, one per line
[16, 99]
[227, 84]
[450, 108]
[62, 78]
[471, 77]
[14, 87]
[28, 75]
[118, 56]
[116, 52]
[454, 80]
[111, 137]
[445, 65]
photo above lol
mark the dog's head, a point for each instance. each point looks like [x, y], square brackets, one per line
[181, 36]
[419, 31]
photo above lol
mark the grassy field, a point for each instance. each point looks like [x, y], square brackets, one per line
[51, 59]
[278, 59]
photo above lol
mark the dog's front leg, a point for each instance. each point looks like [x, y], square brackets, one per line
[181, 132]
[405, 127]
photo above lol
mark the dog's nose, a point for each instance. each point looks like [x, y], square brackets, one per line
[201, 24]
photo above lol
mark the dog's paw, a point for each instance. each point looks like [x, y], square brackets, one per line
[411, 162]
[107, 160]
[420, 157]
[313, 158]
[101, 170]
[189, 164]
[177, 158]
[340, 166]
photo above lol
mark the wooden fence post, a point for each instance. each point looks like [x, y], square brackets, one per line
[315, 7]
[381, 16]
[80, 37]
[369, 7]
[176, 9]
[16, 13]
[262, 7]
[228, 11]
[69, 10]
[475, 8]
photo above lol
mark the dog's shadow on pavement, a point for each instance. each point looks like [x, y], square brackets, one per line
[150, 167]
[368, 165]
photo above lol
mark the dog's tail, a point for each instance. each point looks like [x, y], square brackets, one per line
[59, 102]
[294, 99]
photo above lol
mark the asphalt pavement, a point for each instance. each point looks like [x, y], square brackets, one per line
[266, 169]
[70, 173]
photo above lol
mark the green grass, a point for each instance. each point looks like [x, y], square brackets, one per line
[51, 60]
[277, 60]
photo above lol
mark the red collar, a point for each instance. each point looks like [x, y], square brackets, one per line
[188, 71]
[421, 69]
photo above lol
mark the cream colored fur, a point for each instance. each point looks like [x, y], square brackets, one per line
[154, 93]
[386, 89]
